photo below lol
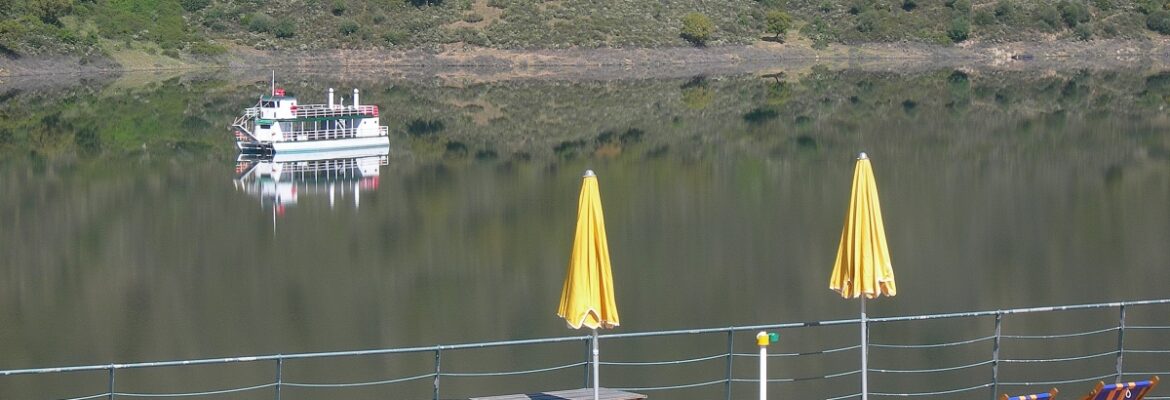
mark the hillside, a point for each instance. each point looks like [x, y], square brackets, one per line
[195, 30]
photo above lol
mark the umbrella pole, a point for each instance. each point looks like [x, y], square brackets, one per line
[596, 368]
[864, 354]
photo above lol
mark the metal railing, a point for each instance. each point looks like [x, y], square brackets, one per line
[969, 355]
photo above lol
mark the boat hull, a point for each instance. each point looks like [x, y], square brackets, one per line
[312, 146]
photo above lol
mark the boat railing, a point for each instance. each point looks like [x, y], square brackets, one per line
[325, 111]
[969, 355]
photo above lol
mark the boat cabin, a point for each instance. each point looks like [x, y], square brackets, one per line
[277, 107]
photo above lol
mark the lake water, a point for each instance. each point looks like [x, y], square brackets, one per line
[126, 236]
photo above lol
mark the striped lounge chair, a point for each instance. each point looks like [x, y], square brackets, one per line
[1122, 391]
[1051, 394]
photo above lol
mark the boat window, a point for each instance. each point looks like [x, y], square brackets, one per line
[268, 104]
[265, 126]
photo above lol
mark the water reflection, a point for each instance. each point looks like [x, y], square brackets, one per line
[279, 180]
[725, 198]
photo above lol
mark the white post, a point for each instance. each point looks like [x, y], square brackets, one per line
[330, 98]
[864, 352]
[762, 340]
[596, 367]
[355, 98]
[274, 82]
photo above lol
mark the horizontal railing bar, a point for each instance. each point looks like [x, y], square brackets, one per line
[225, 391]
[481, 345]
[966, 389]
[687, 386]
[1017, 311]
[1147, 374]
[921, 371]
[357, 384]
[845, 397]
[721, 356]
[1048, 360]
[801, 379]
[1147, 351]
[933, 345]
[1081, 380]
[1062, 336]
[93, 396]
[510, 373]
[1141, 327]
[810, 353]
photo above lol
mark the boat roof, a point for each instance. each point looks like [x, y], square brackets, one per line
[270, 97]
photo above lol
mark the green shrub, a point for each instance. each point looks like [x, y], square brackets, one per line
[194, 5]
[205, 49]
[697, 28]
[1004, 9]
[284, 29]
[1159, 21]
[909, 5]
[984, 17]
[859, 6]
[959, 29]
[393, 38]
[338, 8]
[260, 23]
[963, 6]
[1150, 6]
[1083, 31]
[49, 11]
[172, 53]
[1103, 5]
[348, 27]
[819, 32]
[472, 17]
[868, 21]
[778, 22]
[1073, 12]
[1049, 15]
[1110, 30]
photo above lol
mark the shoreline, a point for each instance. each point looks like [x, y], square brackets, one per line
[482, 64]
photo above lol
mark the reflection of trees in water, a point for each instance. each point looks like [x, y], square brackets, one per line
[949, 112]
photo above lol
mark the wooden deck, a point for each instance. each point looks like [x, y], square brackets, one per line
[575, 394]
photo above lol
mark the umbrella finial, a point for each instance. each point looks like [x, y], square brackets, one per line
[862, 156]
[589, 173]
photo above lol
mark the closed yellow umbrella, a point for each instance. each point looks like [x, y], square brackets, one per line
[587, 295]
[863, 269]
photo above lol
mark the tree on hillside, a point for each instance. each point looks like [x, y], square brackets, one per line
[49, 11]
[778, 22]
[697, 28]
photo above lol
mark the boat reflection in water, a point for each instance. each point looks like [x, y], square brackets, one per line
[281, 179]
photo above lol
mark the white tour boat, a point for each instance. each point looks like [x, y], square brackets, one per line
[277, 124]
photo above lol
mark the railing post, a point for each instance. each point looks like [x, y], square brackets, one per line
[730, 355]
[438, 371]
[995, 354]
[279, 375]
[588, 363]
[1120, 343]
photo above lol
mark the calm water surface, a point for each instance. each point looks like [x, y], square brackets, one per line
[126, 234]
